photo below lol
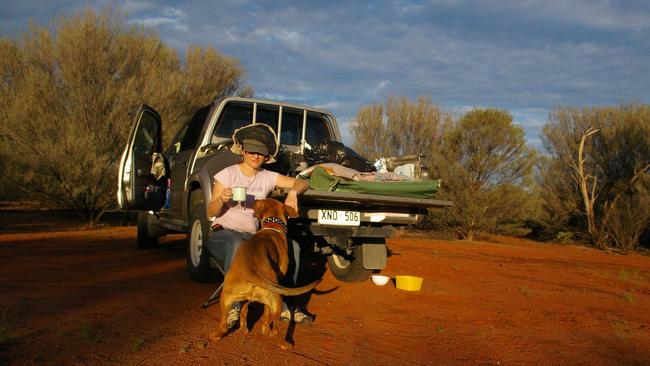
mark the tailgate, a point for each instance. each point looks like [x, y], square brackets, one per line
[365, 201]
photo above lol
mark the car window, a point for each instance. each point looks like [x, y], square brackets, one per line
[317, 130]
[190, 137]
[175, 146]
[291, 127]
[238, 114]
[145, 137]
[268, 114]
[233, 116]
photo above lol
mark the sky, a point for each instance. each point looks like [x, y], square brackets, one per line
[526, 56]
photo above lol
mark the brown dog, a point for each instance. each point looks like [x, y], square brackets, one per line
[258, 266]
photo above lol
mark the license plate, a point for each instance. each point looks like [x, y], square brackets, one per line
[342, 218]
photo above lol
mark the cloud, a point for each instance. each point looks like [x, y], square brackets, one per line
[289, 38]
[283, 97]
[152, 15]
[387, 49]
[135, 6]
[589, 13]
[155, 22]
[173, 12]
[522, 56]
[381, 86]
[328, 105]
[597, 14]
[406, 7]
[531, 120]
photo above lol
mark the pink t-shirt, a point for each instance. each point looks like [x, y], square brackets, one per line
[238, 216]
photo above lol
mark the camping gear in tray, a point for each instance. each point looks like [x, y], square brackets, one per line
[336, 152]
[321, 180]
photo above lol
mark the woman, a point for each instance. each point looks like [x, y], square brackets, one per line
[235, 222]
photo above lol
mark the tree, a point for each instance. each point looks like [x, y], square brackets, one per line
[485, 167]
[558, 201]
[70, 94]
[602, 156]
[400, 127]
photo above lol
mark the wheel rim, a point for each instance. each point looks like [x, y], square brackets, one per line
[340, 261]
[196, 243]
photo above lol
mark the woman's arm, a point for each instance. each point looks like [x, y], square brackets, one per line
[297, 187]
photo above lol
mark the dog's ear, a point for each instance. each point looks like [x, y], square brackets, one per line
[259, 207]
[290, 212]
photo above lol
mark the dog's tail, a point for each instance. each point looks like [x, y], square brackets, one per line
[270, 285]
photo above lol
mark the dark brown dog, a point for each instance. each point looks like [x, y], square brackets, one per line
[259, 264]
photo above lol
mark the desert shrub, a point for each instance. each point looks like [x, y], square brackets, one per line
[486, 169]
[399, 127]
[70, 92]
[597, 172]
[629, 218]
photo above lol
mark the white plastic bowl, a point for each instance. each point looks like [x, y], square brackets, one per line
[379, 280]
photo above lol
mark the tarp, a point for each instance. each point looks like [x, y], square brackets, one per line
[320, 180]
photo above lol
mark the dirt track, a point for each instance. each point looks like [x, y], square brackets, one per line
[90, 297]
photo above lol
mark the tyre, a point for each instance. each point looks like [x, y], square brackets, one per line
[198, 257]
[144, 239]
[349, 268]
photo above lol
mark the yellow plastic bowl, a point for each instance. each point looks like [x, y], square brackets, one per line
[408, 283]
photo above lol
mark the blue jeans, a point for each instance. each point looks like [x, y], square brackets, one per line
[223, 244]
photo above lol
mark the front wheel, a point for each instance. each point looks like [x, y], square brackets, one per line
[198, 256]
[349, 268]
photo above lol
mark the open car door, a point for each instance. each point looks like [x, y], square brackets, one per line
[138, 187]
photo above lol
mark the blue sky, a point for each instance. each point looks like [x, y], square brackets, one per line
[522, 56]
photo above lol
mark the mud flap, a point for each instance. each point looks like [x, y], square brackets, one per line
[153, 228]
[374, 256]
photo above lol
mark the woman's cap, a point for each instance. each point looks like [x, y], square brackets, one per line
[256, 138]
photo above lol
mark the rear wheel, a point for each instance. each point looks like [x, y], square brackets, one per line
[145, 239]
[198, 256]
[349, 268]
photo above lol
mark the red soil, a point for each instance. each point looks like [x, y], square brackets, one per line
[91, 298]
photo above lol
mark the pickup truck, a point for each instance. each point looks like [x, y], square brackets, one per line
[349, 228]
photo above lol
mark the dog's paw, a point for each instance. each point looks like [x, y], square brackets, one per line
[285, 345]
[216, 335]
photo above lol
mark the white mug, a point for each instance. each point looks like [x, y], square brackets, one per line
[239, 194]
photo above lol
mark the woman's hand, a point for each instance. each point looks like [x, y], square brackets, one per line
[226, 195]
[220, 195]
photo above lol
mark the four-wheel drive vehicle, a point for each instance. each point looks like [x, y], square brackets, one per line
[350, 228]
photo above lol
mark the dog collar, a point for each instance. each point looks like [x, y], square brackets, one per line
[273, 223]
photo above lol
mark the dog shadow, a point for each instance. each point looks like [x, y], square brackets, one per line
[255, 312]
[313, 266]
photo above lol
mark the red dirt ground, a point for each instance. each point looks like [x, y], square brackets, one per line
[82, 297]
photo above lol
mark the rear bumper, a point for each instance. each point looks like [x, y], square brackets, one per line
[352, 232]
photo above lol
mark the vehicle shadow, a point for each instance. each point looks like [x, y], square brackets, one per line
[313, 265]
